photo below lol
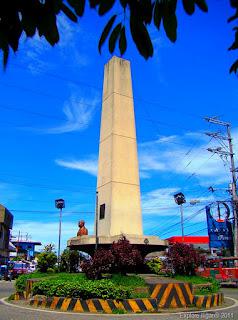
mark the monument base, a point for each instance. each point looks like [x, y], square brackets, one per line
[145, 244]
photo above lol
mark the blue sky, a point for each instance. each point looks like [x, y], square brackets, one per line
[50, 120]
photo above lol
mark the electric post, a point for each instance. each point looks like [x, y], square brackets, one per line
[229, 153]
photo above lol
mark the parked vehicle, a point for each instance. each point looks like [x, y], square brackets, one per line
[18, 268]
[222, 269]
[32, 267]
[4, 272]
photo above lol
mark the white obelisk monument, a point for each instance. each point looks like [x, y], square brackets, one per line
[118, 184]
[118, 210]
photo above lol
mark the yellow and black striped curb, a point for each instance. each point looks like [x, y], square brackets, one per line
[95, 305]
[172, 295]
[108, 306]
[208, 301]
[20, 296]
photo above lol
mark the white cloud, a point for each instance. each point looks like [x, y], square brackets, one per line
[79, 113]
[89, 165]
[170, 154]
[36, 55]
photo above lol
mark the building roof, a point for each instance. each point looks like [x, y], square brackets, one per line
[36, 243]
[189, 239]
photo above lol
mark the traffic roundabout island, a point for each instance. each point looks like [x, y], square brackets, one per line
[162, 296]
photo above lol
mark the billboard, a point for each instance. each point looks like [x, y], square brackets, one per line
[219, 232]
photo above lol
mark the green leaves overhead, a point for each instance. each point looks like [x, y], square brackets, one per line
[78, 6]
[141, 36]
[106, 32]
[189, 6]
[202, 5]
[105, 6]
[122, 41]
[40, 16]
[166, 12]
[114, 37]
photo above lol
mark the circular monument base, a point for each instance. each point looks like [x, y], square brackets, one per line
[145, 244]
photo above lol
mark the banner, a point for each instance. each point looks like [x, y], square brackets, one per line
[219, 232]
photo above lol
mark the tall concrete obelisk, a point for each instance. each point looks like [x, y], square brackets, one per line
[118, 186]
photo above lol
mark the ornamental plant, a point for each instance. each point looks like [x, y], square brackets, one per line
[102, 262]
[84, 289]
[155, 265]
[184, 259]
[127, 257]
[122, 257]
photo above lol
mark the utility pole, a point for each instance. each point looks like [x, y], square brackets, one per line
[233, 170]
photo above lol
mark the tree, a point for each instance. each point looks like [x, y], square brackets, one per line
[69, 260]
[127, 257]
[50, 247]
[46, 259]
[31, 16]
[184, 259]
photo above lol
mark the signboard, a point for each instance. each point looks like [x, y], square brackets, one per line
[219, 232]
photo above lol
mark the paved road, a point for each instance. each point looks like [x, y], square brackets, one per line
[10, 312]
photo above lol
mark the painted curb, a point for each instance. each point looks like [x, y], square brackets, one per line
[95, 305]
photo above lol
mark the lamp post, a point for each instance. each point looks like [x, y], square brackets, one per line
[59, 204]
[179, 198]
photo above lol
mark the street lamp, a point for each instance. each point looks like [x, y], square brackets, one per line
[179, 198]
[59, 204]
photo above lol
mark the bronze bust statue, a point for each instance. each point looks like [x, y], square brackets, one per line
[82, 230]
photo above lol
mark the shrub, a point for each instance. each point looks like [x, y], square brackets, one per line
[102, 262]
[155, 265]
[127, 257]
[85, 289]
[69, 260]
[20, 283]
[46, 260]
[122, 257]
[184, 259]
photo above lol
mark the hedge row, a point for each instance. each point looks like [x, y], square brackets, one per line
[85, 289]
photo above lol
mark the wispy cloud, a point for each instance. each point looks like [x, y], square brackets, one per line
[185, 155]
[78, 112]
[37, 53]
[89, 165]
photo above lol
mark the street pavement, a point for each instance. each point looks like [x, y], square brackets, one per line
[22, 312]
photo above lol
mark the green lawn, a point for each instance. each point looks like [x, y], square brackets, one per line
[193, 279]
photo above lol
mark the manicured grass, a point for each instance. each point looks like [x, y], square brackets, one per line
[193, 279]
[128, 281]
[202, 290]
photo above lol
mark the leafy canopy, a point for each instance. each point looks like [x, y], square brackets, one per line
[29, 17]
[184, 258]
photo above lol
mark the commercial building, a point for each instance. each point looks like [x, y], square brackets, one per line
[6, 221]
